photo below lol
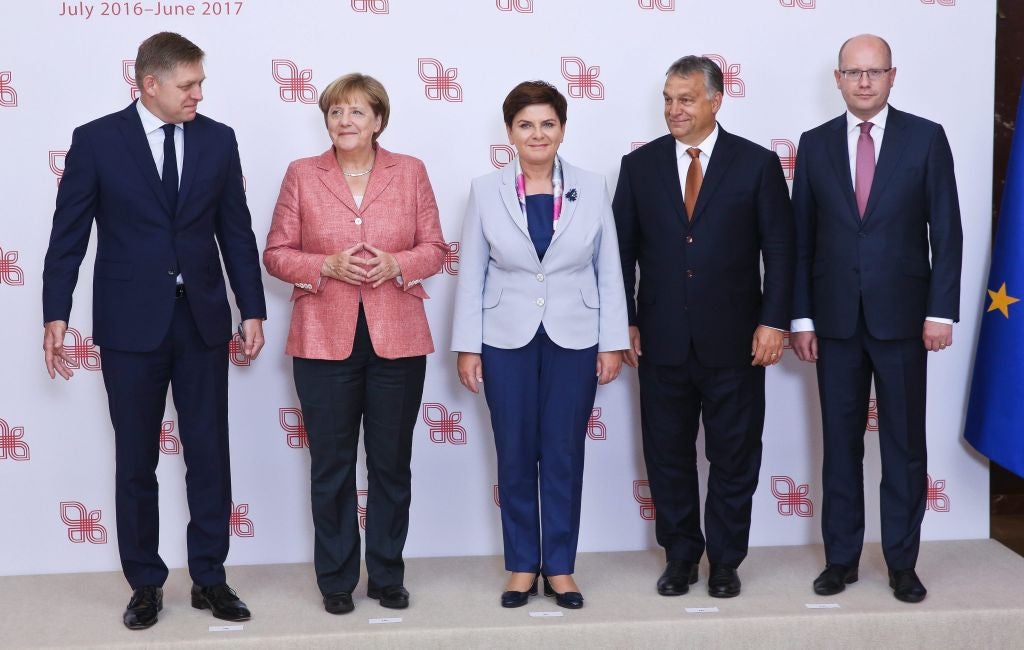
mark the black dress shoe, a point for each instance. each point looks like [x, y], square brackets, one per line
[392, 596]
[677, 577]
[906, 586]
[566, 599]
[143, 607]
[723, 582]
[518, 598]
[339, 602]
[222, 601]
[834, 579]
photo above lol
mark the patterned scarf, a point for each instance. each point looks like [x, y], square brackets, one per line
[556, 189]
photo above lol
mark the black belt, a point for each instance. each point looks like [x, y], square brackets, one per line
[179, 291]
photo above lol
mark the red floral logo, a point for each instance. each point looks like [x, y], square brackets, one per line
[734, 86]
[944, 3]
[787, 344]
[294, 85]
[56, 159]
[496, 495]
[793, 499]
[937, 500]
[872, 415]
[128, 74]
[8, 95]
[82, 352]
[439, 82]
[660, 5]
[295, 430]
[519, 6]
[444, 426]
[642, 495]
[582, 78]
[450, 263]
[236, 351]
[372, 6]
[239, 524]
[10, 272]
[169, 443]
[361, 507]
[801, 4]
[12, 442]
[596, 429]
[83, 524]
[633, 146]
[501, 155]
[786, 151]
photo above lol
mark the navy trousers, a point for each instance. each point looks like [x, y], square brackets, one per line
[540, 397]
[336, 395]
[900, 370]
[136, 384]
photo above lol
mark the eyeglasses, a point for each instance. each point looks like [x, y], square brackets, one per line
[855, 75]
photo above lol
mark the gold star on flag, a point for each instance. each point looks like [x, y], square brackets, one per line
[1001, 301]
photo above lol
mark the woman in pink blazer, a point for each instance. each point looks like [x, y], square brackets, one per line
[356, 231]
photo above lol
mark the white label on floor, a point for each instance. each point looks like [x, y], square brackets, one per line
[544, 614]
[822, 605]
[225, 628]
[378, 621]
[701, 610]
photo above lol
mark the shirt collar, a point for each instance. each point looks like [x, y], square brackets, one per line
[705, 147]
[853, 122]
[150, 122]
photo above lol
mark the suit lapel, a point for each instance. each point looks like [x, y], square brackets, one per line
[334, 180]
[668, 166]
[507, 189]
[893, 145]
[569, 181]
[193, 154]
[138, 145]
[380, 178]
[839, 154]
[721, 158]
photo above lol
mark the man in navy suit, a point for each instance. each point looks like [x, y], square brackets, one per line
[699, 210]
[164, 187]
[874, 195]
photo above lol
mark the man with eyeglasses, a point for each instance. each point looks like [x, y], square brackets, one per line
[874, 195]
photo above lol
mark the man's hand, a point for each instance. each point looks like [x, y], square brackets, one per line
[471, 370]
[344, 266]
[608, 366]
[253, 330]
[632, 355]
[54, 354]
[937, 336]
[383, 266]
[805, 344]
[766, 348]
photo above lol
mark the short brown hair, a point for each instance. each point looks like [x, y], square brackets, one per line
[345, 86]
[529, 93]
[162, 53]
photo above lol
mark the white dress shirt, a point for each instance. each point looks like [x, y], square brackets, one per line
[852, 136]
[153, 126]
[683, 158]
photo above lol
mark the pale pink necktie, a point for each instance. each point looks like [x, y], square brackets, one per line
[865, 166]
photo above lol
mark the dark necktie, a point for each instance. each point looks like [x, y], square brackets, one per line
[865, 166]
[694, 178]
[170, 173]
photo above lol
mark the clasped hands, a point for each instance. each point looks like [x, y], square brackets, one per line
[376, 270]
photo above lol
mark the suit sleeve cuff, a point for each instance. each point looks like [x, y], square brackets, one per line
[936, 319]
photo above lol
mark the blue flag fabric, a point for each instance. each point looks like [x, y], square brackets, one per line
[995, 414]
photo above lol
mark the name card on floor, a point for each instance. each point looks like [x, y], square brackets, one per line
[822, 605]
[545, 614]
[701, 610]
[225, 628]
[379, 621]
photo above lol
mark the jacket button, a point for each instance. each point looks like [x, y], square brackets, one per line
[540, 302]
[359, 221]
[689, 239]
[540, 277]
[172, 272]
[689, 273]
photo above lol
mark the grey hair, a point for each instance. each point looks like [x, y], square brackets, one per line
[690, 64]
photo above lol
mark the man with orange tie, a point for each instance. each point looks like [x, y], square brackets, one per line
[699, 209]
[874, 197]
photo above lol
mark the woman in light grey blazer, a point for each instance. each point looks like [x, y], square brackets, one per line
[540, 319]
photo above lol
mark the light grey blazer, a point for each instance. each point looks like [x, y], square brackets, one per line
[505, 292]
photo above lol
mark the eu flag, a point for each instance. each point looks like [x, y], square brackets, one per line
[995, 415]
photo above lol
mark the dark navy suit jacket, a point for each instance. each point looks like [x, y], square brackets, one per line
[881, 260]
[700, 280]
[110, 178]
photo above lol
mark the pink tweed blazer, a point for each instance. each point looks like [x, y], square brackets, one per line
[316, 216]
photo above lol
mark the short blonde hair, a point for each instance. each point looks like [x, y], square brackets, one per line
[345, 86]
